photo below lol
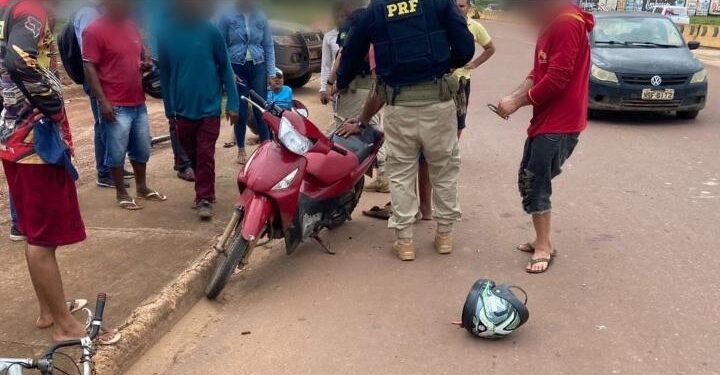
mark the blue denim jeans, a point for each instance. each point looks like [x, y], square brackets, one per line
[542, 161]
[13, 213]
[255, 78]
[128, 134]
[102, 170]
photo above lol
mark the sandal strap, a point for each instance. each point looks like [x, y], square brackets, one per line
[540, 260]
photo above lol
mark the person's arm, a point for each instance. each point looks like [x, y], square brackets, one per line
[354, 50]
[487, 53]
[327, 63]
[232, 107]
[462, 43]
[373, 105]
[566, 41]
[482, 38]
[38, 84]
[91, 76]
[222, 26]
[517, 99]
[165, 80]
[92, 53]
[83, 18]
[269, 49]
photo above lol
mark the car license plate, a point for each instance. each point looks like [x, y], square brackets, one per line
[650, 94]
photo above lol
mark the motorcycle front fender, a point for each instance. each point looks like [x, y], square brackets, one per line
[258, 214]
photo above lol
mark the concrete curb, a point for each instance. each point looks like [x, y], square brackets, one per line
[156, 315]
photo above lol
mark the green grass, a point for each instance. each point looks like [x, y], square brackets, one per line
[705, 20]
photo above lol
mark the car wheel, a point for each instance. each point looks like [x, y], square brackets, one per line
[688, 115]
[301, 81]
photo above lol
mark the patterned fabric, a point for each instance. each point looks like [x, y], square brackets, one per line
[28, 82]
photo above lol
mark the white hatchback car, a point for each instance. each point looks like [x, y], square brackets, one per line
[678, 15]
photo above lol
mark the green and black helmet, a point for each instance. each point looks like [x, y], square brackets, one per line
[493, 311]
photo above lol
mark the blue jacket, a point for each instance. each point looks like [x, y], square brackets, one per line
[194, 70]
[259, 40]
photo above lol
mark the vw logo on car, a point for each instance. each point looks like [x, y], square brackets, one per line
[656, 81]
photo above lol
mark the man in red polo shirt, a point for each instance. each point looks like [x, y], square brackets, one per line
[114, 61]
[557, 88]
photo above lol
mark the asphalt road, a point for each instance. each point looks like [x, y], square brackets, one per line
[634, 289]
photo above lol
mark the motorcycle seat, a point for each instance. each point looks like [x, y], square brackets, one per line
[362, 144]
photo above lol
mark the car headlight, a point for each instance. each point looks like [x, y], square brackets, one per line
[699, 77]
[286, 182]
[603, 75]
[297, 143]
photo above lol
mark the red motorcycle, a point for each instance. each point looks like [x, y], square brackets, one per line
[293, 187]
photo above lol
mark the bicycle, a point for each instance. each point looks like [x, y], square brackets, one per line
[45, 364]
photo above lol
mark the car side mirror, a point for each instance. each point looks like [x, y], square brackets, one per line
[693, 44]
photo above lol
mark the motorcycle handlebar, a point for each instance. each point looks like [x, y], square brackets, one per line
[258, 99]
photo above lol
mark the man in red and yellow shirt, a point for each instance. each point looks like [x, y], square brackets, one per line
[557, 88]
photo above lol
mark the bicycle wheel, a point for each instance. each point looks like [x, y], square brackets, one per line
[239, 247]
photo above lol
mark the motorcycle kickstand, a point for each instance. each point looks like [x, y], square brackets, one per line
[323, 244]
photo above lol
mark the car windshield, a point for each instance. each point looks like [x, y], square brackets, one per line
[636, 32]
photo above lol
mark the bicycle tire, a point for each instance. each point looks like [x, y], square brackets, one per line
[227, 264]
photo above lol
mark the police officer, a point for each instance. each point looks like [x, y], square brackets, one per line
[350, 101]
[417, 44]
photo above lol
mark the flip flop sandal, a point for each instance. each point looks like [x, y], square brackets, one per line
[229, 144]
[109, 337]
[101, 340]
[533, 262]
[383, 213]
[529, 248]
[153, 197]
[76, 305]
[129, 205]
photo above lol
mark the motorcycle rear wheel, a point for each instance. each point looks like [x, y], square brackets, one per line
[228, 262]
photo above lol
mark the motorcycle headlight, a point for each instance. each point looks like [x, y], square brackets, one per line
[699, 77]
[286, 182]
[603, 75]
[297, 143]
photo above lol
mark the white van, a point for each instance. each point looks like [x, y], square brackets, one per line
[678, 15]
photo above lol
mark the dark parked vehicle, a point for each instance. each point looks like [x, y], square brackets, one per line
[298, 52]
[640, 62]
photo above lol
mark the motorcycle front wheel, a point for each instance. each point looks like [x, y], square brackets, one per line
[228, 262]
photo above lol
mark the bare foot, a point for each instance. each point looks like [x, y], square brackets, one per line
[527, 247]
[73, 332]
[44, 322]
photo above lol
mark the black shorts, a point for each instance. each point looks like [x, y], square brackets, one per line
[542, 161]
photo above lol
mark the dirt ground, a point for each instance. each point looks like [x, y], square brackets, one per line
[633, 290]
